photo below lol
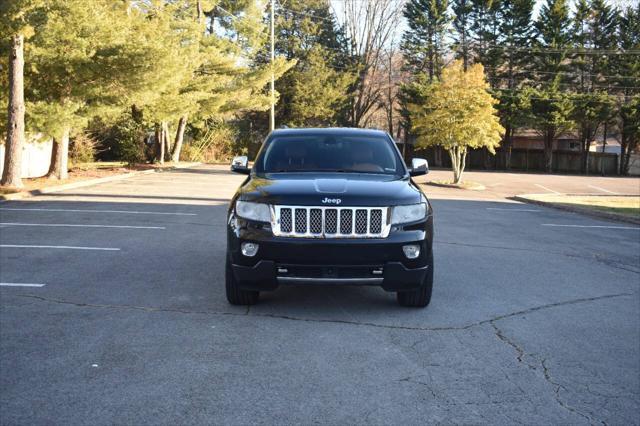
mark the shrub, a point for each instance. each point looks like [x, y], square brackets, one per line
[214, 144]
[82, 149]
[123, 140]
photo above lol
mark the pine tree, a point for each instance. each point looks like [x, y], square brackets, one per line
[462, 30]
[485, 29]
[550, 113]
[550, 106]
[15, 27]
[315, 91]
[553, 41]
[423, 42]
[594, 28]
[517, 35]
[627, 83]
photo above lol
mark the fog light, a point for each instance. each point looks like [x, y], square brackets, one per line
[249, 249]
[411, 251]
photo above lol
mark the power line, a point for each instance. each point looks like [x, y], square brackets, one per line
[575, 73]
[569, 84]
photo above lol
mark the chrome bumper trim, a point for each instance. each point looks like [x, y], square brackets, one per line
[290, 280]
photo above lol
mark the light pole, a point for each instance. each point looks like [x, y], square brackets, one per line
[272, 113]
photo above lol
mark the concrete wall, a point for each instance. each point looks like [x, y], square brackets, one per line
[36, 156]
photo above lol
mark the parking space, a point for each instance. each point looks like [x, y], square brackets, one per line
[500, 185]
[112, 311]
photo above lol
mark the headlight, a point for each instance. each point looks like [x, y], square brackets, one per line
[409, 213]
[253, 211]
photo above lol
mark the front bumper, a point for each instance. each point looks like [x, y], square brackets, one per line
[267, 275]
[349, 261]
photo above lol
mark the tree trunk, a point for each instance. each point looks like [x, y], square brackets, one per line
[12, 172]
[177, 145]
[159, 134]
[454, 164]
[167, 140]
[463, 163]
[548, 151]
[623, 150]
[437, 156]
[508, 145]
[458, 157]
[58, 168]
[199, 10]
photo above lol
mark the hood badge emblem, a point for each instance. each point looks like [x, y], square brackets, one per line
[328, 200]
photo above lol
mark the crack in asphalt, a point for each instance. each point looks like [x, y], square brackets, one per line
[561, 402]
[597, 257]
[413, 379]
[521, 353]
[333, 321]
[510, 342]
[545, 373]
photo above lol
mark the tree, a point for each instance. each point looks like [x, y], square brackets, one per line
[485, 30]
[74, 76]
[462, 27]
[12, 171]
[550, 113]
[424, 40]
[630, 131]
[315, 92]
[552, 42]
[626, 82]
[370, 27]
[15, 22]
[458, 114]
[517, 34]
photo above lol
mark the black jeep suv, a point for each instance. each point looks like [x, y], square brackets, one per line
[329, 206]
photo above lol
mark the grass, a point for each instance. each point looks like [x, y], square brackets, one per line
[628, 206]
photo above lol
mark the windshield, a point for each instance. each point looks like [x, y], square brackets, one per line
[330, 153]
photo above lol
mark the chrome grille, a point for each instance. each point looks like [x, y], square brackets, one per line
[361, 221]
[346, 221]
[301, 221]
[285, 220]
[330, 222]
[315, 221]
[375, 223]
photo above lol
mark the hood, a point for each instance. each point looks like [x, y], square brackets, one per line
[329, 189]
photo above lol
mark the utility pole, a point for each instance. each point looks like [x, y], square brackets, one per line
[272, 113]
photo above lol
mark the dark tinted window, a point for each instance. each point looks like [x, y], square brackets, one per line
[329, 153]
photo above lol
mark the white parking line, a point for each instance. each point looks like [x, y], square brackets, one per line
[58, 247]
[593, 226]
[603, 190]
[512, 210]
[547, 189]
[21, 285]
[80, 226]
[100, 211]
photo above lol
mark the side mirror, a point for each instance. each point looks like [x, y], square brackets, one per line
[240, 164]
[419, 167]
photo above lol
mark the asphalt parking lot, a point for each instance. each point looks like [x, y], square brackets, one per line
[535, 319]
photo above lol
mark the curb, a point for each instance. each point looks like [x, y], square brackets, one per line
[581, 210]
[89, 182]
[476, 187]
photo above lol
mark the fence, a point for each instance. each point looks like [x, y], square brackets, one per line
[36, 157]
[528, 160]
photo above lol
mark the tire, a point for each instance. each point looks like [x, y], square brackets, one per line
[236, 295]
[421, 297]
